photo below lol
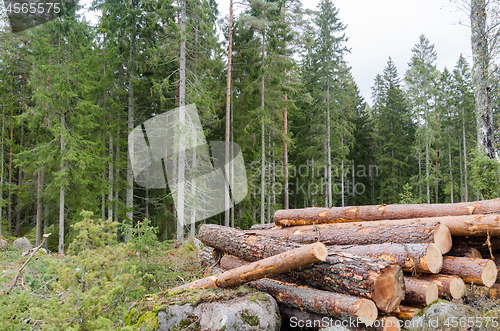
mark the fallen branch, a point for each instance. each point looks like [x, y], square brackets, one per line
[45, 236]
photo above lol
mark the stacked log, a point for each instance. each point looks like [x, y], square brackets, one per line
[438, 247]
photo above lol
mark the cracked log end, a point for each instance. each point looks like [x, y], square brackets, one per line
[389, 289]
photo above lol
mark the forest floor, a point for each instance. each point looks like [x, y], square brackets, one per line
[93, 287]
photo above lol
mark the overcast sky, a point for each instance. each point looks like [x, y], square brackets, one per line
[378, 29]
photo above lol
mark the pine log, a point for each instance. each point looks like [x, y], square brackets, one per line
[448, 285]
[318, 301]
[298, 318]
[285, 262]
[305, 298]
[420, 292]
[307, 216]
[406, 312]
[372, 278]
[463, 251]
[411, 257]
[477, 271]
[366, 233]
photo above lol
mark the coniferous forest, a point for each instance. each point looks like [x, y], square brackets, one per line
[71, 92]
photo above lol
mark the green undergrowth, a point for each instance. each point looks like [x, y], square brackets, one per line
[94, 285]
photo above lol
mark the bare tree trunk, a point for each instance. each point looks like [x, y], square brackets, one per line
[263, 145]
[129, 198]
[329, 149]
[466, 184]
[39, 224]
[285, 156]
[342, 169]
[182, 119]
[110, 178]
[427, 163]
[452, 185]
[1, 160]
[480, 76]
[117, 173]
[461, 172]
[227, 202]
[61, 190]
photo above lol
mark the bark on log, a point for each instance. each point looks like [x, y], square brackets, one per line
[410, 257]
[318, 301]
[420, 292]
[462, 251]
[449, 285]
[406, 312]
[305, 298]
[366, 233]
[285, 262]
[368, 277]
[298, 318]
[477, 271]
[293, 217]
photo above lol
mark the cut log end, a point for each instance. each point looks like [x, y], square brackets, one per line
[320, 251]
[367, 311]
[457, 288]
[434, 258]
[431, 294]
[389, 289]
[489, 273]
[442, 238]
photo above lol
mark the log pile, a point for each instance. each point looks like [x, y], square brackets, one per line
[384, 262]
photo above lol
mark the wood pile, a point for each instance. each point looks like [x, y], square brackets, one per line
[383, 263]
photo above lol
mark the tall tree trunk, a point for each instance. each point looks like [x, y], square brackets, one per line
[263, 144]
[329, 149]
[436, 182]
[1, 160]
[480, 76]
[61, 190]
[9, 206]
[285, 155]
[342, 168]
[452, 185]
[181, 220]
[110, 178]
[427, 165]
[39, 204]
[117, 173]
[466, 184]
[129, 198]
[461, 172]
[227, 202]
[103, 194]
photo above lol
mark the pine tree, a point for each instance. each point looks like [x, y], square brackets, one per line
[395, 134]
[420, 81]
